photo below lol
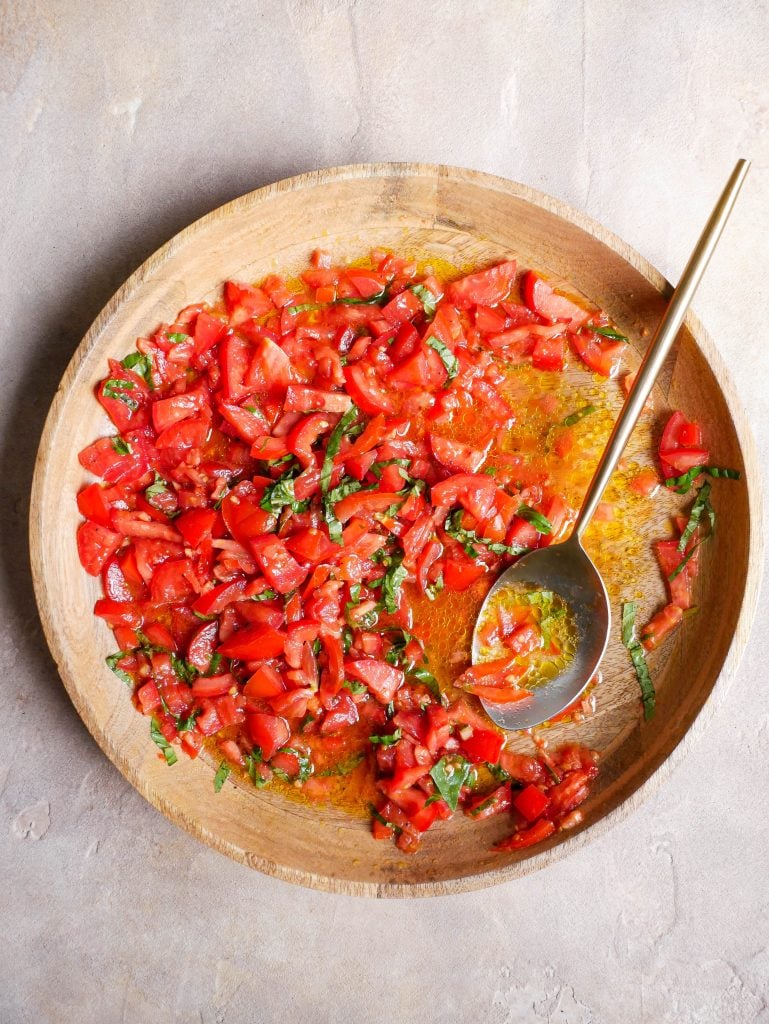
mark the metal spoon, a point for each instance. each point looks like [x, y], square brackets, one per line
[565, 568]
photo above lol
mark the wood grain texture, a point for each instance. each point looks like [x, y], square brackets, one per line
[466, 217]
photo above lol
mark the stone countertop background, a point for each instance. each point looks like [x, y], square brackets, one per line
[120, 124]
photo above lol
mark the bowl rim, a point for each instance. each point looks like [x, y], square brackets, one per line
[750, 589]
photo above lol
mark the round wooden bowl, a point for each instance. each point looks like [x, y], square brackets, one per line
[466, 218]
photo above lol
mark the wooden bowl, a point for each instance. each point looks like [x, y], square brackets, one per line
[468, 218]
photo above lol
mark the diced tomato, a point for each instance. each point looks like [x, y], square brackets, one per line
[244, 301]
[482, 745]
[661, 625]
[531, 803]
[484, 288]
[95, 545]
[306, 399]
[670, 558]
[536, 833]
[196, 525]
[383, 680]
[278, 564]
[540, 297]
[254, 643]
[268, 732]
[458, 457]
[459, 573]
[366, 390]
[93, 504]
[598, 354]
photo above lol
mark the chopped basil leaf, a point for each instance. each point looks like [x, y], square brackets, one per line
[387, 741]
[490, 470]
[159, 739]
[140, 364]
[281, 494]
[188, 723]
[155, 489]
[204, 618]
[112, 661]
[120, 446]
[433, 589]
[393, 579]
[354, 686]
[607, 332]
[305, 307]
[498, 772]
[185, 672]
[684, 482]
[580, 414]
[449, 776]
[347, 639]
[332, 448]
[304, 762]
[378, 467]
[637, 656]
[448, 358]
[355, 593]
[213, 665]
[426, 297]
[700, 507]
[266, 595]
[252, 760]
[425, 676]
[115, 388]
[373, 300]
[177, 339]
[222, 774]
[540, 523]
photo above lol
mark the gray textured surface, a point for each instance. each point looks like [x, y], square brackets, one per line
[119, 125]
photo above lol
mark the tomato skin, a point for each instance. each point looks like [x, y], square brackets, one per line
[661, 625]
[305, 434]
[254, 643]
[214, 601]
[364, 503]
[483, 745]
[531, 802]
[268, 732]
[201, 647]
[366, 391]
[196, 525]
[484, 288]
[278, 564]
[95, 546]
[382, 679]
[93, 504]
[307, 399]
[669, 558]
[541, 299]
[526, 837]
[458, 457]
[459, 573]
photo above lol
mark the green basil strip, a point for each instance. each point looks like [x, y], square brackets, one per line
[637, 656]
[426, 297]
[684, 482]
[447, 357]
[332, 448]
[140, 364]
[159, 739]
[222, 774]
[387, 741]
[449, 776]
[608, 332]
[120, 446]
[699, 508]
[540, 523]
[116, 388]
[112, 662]
[178, 339]
[580, 414]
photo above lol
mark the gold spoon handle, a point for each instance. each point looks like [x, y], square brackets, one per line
[660, 345]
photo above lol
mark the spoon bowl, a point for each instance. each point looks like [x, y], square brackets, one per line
[567, 570]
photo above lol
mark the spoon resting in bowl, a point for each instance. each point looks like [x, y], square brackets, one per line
[566, 569]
